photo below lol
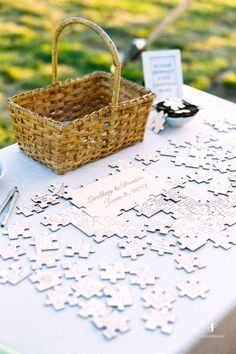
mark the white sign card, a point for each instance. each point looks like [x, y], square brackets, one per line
[163, 73]
[122, 190]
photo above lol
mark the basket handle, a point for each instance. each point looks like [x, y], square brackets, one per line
[108, 42]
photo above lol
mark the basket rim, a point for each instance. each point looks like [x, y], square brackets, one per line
[144, 93]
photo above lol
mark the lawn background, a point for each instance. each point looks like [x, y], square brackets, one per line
[206, 34]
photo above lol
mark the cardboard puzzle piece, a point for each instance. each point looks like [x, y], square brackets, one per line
[48, 259]
[112, 324]
[218, 154]
[46, 279]
[195, 151]
[113, 271]
[118, 297]
[193, 289]
[12, 250]
[162, 245]
[89, 225]
[121, 228]
[175, 182]
[173, 195]
[93, 308]
[70, 215]
[55, 221]
[159, 120]
[17, 229]
[192, 243]
[132, 248]
[151, 206]
[14, 274]
[232, 180]
[218, 124]
[224, 166]
[158, 299]
[143, 277]
[60, 296]
[189, 262]
[88, 287]
[146, 159]
[178, 142]
[67, 193]
[45, 242]
[28, 209]
[194, 162]
[44, 200]
[219, 188]
[198, 177]
[169, 151]
[58, 189]
[121, 165]
[161, 222]
[223, 240]
[76, 269]
[79, 247]
[162, 319]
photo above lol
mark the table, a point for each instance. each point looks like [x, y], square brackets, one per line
[29, 327]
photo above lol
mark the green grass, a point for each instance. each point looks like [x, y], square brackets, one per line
[205, 34]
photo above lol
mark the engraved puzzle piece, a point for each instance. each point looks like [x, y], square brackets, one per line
[28, 209]
[160, 222]
[151, 206]
[132, 248]
[162, 245]
[45, 242]
[174, 195]
[44, 200]
[55, 221]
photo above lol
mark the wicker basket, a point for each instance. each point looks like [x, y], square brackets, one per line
[76, 121]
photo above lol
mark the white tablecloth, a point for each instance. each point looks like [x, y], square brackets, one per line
[32, 328]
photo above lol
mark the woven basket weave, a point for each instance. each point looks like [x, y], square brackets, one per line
[73, 122]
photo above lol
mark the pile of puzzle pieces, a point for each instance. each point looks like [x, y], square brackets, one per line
[173, 222]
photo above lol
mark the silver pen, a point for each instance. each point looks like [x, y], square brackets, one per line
[12, 203]
[7, 199]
